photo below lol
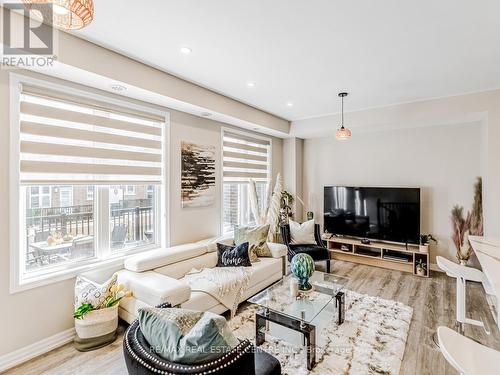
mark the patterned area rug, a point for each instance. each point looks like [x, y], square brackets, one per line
[372, 339]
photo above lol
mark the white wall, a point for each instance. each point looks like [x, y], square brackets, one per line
[36, 314]
[481, 106]
[190, 224]
[443, 160]
[292, 172]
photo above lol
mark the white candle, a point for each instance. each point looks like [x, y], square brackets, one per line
[294, 287]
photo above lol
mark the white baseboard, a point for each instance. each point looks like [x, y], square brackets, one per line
[19, 356]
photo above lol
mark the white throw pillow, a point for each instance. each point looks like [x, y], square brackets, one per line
[88, 291]
[302, 234]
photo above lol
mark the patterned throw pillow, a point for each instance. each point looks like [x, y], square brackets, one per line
[88, 291]
[256, 238]
[302, 234]
[233, 256]
[186, 336]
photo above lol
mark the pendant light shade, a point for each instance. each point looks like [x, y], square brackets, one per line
[66, 14]
[342, 133]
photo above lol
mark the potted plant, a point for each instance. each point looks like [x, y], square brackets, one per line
[421, 268]
[425, 240]
[96, 326]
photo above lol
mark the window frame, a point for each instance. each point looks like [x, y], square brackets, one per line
[90, 197]
[269, 169]
[39, 197]
[19, 280]
[132, 192]
[71, 194]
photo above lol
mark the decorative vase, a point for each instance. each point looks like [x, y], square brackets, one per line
[302, 267]
[96, 329]
[420, 271]
[463, 262]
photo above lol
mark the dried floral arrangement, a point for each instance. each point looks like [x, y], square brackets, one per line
[467, 224]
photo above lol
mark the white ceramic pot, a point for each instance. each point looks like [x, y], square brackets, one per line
[420, 271]
[97, 323]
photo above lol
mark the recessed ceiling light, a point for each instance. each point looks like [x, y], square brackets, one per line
[206, 114]
[251, 84]
[117, 87]
[289, 104]
[186, 50]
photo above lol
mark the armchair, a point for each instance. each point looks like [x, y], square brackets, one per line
[317, 251]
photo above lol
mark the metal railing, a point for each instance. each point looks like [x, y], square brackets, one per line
[79, 220]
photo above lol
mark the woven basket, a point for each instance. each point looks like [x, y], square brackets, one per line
[97, 323]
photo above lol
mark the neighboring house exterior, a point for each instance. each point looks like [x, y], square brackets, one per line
[66, 196]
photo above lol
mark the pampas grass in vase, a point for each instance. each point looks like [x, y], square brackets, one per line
[476, 216]
[460, 233]
[273, 213]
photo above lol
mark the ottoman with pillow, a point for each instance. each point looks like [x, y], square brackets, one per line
[178, 341]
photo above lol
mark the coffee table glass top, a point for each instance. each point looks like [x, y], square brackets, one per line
[306, 306]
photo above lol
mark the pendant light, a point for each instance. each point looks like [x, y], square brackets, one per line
[342, 133]
[65, 14]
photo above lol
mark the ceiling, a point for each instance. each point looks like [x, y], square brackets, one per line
[304, 52]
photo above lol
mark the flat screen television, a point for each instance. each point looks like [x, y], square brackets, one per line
[379, 213]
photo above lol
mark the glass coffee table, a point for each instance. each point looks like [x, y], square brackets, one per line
[277, 305]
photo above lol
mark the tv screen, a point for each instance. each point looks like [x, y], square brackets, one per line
[380, 213]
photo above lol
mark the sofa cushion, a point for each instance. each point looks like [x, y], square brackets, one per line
[179, 269]
[154, 288]
[211, 243]
[263, 269]
[186, 336]
[278, 250]
[158, 258]
[200, 301]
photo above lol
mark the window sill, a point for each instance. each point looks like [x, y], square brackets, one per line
[35, 280]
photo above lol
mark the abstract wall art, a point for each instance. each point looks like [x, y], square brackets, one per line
[197, 175]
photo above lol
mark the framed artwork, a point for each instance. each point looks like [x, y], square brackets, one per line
[197, 175]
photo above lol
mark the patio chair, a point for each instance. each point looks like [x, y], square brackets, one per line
[118, 236]
[82, 247]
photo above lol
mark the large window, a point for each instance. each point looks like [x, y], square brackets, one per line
[89, 180]
[245, 157]
[132, 217]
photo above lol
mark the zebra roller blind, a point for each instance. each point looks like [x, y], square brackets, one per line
[245, 157]
[69, 139]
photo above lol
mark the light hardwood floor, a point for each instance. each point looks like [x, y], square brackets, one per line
[432, 299]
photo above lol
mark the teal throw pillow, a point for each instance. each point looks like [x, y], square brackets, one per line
[186, 336]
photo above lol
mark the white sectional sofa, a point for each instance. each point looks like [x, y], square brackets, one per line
[157, 276]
